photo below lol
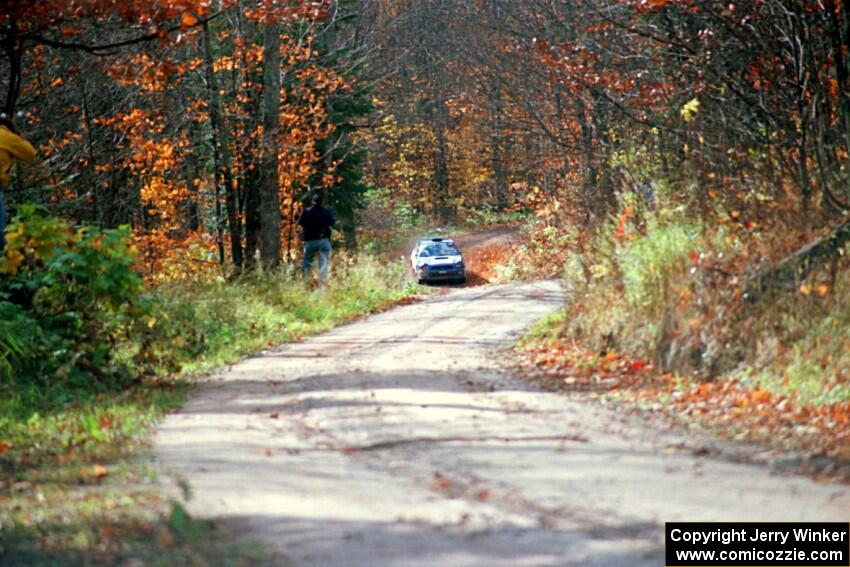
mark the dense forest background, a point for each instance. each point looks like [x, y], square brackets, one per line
[202, 125]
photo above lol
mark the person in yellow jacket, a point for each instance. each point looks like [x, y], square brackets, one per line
[12, 147]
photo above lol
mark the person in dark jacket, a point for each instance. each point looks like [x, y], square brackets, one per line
[317, 222]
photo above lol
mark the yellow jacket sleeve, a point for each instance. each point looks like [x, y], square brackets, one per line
[12, 147]
[18, 147]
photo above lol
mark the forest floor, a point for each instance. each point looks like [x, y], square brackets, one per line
[402, 439]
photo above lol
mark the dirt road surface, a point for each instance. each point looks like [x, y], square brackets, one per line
[399, 441]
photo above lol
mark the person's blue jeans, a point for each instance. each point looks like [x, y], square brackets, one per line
[3, 222]
[311, 249]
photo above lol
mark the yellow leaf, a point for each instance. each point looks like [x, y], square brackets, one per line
[10, 264]
[690, 109]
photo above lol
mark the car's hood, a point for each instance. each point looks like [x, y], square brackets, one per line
[438, 260]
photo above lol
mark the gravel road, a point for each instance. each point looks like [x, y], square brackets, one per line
[399, 441]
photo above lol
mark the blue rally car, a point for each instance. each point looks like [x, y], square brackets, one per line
[437, 259]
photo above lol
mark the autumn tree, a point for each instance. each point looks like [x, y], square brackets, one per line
[173, 118]
[588, 99]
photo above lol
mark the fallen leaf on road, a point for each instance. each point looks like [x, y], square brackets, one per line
[441, 483]
[482, 495]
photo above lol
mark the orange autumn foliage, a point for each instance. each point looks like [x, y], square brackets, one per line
[138, 119]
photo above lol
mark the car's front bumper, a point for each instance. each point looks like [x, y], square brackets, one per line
[442, 273]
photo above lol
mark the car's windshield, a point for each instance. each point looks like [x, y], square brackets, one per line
[439, 249]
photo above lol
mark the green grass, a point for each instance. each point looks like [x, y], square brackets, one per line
[809, 340]
[77, 488]
[547, 330]
[76, 485]
[207, 325]
[487, 215]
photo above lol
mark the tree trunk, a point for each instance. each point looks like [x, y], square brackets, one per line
[13, 50]
[604, 183]
[348, 224]
[269, 193]
[790, 271]
[250, 178]
[253, 222]
[92, 178]
[590, 174]
[190, 210]
[441, 176]
[221, 153]
[500, 182]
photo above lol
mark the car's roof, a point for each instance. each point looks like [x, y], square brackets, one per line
[437, 239]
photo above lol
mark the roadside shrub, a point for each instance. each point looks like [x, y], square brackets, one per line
[74, 313]
[488, 215]
[19, 333]
[540, 252]
[657, 283]
[66, 296]
[384, 212]
[652, 262]
[640, 285]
